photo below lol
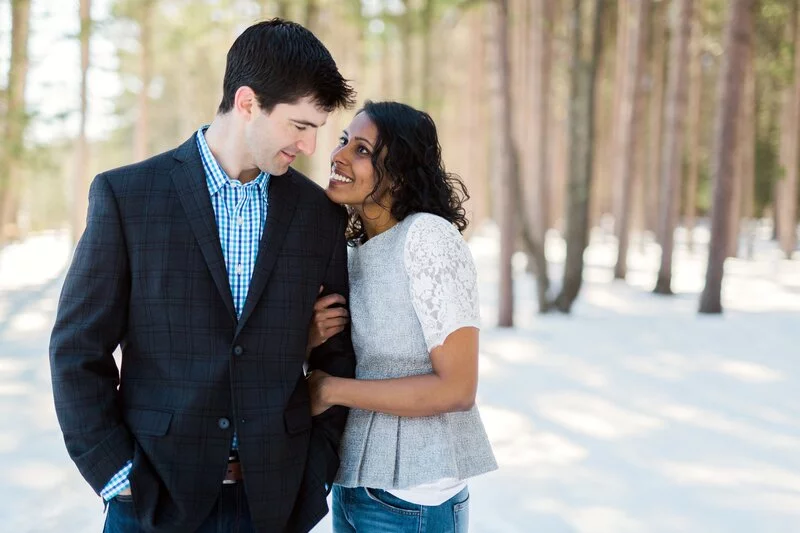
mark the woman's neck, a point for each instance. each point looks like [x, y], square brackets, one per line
[376, 220]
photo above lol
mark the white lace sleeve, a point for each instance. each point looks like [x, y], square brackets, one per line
[442, 278]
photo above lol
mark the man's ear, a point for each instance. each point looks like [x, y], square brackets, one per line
[245, 102]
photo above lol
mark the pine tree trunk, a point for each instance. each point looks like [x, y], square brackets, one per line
[145, 16]
[651, 181]
[80, 183]
[538, 191]
[748, 150]
[787, 199]
[730, 85]
[674, 131]
[16, 119]
[693, 131]
[628, 129]
[506, 161]
[427, 81]
[608, 197]
[480, 192]
[585, 58]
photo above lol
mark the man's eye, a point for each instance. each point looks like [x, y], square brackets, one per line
[300, 128]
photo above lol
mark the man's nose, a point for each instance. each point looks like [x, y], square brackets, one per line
[308, 144]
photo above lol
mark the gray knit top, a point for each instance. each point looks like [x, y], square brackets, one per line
[410, 287]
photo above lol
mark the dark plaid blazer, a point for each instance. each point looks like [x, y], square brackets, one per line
[148, 275]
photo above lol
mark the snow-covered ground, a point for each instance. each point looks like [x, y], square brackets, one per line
[632, 415]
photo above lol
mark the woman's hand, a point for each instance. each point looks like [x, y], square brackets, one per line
[317, 388]
[327, 320]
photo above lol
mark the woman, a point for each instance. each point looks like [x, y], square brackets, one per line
[413, 435]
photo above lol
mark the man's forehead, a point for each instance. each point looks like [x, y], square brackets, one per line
[305, 111]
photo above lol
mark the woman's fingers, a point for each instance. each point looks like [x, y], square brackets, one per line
[329, 300]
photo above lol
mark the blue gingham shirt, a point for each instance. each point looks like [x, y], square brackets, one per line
[241, 213]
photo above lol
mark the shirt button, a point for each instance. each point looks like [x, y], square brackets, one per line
[223, 423]
[238, 350]
[239, 268]
[240, 220]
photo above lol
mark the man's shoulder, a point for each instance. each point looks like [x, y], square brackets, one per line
[157, 165]
[312, 192]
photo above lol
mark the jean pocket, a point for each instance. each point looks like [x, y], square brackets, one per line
[392, 503]
[461, 516]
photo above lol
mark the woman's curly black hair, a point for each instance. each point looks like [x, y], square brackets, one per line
[413, 165]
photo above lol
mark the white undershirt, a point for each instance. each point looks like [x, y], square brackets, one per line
[431, 494]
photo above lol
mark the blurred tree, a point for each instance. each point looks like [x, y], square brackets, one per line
[586, 50]
[693, 129]
[672, 154]
[81, 179]
[537, 185]
[786, 188]
[144, 19]
[629, 129]
[651, 179]
[729, 99]
[16, 121]
[507, 159]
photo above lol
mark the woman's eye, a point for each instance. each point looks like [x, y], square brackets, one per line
[363, 151]
[342, 140]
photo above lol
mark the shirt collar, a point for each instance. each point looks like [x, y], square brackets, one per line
[216, 178]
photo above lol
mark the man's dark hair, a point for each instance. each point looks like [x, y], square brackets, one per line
[283, 62]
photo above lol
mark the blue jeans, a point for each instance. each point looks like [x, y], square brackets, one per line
[362, 510]
[229, 515]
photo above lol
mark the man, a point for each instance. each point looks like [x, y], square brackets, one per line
[203, 264]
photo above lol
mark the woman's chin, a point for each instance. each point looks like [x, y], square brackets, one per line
[335, 196]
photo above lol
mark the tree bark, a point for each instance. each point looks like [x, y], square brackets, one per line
[651, 180]
[427, 55]
[80, 202]
[693, 131]
[537, 199]
[748, 149]
[145, 16]
[730, 84]
[506, 161]
[628, 130]
[585, 57]
[674, 131]
[16, 119]
[786, 200]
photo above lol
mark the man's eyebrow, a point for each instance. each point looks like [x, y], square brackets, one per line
[307, 123]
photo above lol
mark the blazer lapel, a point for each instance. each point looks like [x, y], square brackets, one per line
[282, 203]
[189, 179]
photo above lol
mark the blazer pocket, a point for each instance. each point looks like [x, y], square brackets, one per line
[297, 418]
[148, 422]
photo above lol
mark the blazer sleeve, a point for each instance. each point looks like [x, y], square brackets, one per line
[336, 356]
[90, 323]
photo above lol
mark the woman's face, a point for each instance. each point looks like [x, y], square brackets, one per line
[352, 173]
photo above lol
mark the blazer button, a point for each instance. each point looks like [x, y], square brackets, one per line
[223, 423]
[238, 350]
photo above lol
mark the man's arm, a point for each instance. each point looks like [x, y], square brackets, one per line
[90, 324]
[335, 357]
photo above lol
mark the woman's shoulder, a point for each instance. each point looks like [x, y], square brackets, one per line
[428, 228]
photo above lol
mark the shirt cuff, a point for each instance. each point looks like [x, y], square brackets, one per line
[118, 483]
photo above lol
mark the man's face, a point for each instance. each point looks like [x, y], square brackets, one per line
[274, 139]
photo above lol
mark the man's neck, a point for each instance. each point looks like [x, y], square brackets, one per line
[225, 141]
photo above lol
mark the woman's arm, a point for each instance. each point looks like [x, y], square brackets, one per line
[451, 386]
